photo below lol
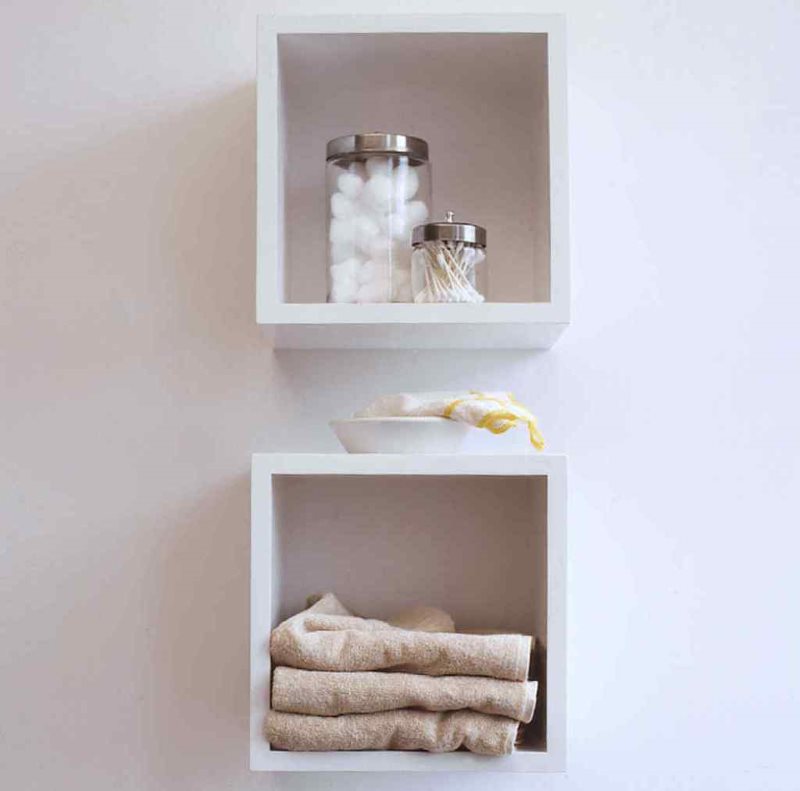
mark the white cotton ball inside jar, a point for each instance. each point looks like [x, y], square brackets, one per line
[379, 193]
[341, 251]
[348, 269]
[365, 230]
[375, 291]
[344, 290]
[406, 182]
[350, 185]
[341, 206]
[381, 249]
[341, 231]
[373, 271]
[395, 225]
[416, 212]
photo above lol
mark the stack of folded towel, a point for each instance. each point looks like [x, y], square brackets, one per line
[331, 689]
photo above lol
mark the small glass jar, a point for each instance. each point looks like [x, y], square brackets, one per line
[379, 188]
[448, 263]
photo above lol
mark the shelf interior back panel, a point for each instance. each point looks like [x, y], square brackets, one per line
[476, 546]
[481, 102]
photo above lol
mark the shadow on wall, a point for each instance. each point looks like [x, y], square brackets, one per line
[200, 697]
[133, 351]
[198, 725]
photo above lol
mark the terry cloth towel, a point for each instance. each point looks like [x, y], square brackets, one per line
[331, 694]
[497, 412]
[420, 618]
[406, 729]
[327, 636]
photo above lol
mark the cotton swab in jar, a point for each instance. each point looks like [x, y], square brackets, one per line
[444, 260]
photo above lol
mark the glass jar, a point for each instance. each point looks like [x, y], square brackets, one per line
[379, 188]
[448, 263]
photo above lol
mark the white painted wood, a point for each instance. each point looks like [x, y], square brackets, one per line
[481, 536]
[384, 335]
[488, 326]
[528, 264]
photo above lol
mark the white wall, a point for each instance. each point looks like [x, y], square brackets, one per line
[135, 385]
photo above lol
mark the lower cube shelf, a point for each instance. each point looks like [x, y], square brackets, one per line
[483, 537]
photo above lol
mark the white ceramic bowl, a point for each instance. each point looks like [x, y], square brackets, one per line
[400, 434]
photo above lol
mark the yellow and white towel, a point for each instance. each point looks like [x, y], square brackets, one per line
[497, 412]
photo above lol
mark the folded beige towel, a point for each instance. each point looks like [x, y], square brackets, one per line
[423, 619]
[330, 694]
[327, 636]
[405, 729]
[420, 618]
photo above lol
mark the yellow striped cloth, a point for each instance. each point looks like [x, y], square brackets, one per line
[497, 412]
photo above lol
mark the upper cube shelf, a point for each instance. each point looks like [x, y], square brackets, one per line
[488, 93]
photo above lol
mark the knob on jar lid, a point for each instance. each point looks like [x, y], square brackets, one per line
[365, 143]
[449, 231]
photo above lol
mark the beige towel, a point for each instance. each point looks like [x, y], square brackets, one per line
[423, 619]
[331, 694]
[405, 729]
[419, 618]
[327, 637]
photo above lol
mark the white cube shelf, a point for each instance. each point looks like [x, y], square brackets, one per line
[488, 93]
[483, 537]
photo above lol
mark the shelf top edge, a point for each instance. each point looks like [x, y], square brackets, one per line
[343, 454]
[413, 23]
[490, 464]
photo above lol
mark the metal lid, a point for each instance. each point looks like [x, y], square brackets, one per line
[449, 231]
[355, 146]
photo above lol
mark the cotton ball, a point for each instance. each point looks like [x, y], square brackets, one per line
[365, 273]
[379, 192]
[341, 206]
[375, 291]
[350, 185]
[417, 212]
[373, 271]
[379, 165]
[349, 268]
[380, 249]
[395, 225]
[365, 231]
[344, 289]
[406, 183]
[342, 231]
[341, 251]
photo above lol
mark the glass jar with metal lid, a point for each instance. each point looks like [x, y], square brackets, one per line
[379, 188]
[448, 261]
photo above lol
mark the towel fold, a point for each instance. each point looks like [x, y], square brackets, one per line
[405, 729]
[327, 636]
[497, 412]
[329, 694]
